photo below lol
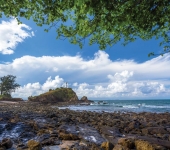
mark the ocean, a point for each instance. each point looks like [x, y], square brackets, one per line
[156, 106]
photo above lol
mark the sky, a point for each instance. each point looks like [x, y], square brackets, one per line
[40, 62]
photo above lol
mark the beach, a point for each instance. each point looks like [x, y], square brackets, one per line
[30, 125]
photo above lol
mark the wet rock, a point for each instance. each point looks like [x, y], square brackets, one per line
[34, 145]
[143, 145]
[110, 131]
[66, 144]
[22, 147]
[52, 148]
[7, 143]
[107, 146]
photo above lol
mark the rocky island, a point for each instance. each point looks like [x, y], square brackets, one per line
[36, 125]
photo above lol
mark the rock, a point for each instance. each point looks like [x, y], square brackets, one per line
[34, 145]
[107, 146]
[68, 144]
[154, 130]
[52, 148]
[143, 145]
[69, 136]
[22, 147]
[7, 143]
[2, 148]
[118, 147]
[110, 131]
[84, 98]
[127, 143]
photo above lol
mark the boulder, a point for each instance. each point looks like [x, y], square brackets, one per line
[127, 143]
[68, 136]
[84, 98]
[118, 147]
[143, 145]
[107, 146]
[34, 145]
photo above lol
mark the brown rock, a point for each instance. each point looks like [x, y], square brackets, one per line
[154, 130]
[143, 145]
[34, 145]
[119, 147]
[127, 143]
[107, 146]
[68, 136]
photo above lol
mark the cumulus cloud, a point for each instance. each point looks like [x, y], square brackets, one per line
[98, 77]
[12, 34]
[121, 88]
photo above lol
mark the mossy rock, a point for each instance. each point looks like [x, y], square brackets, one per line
[57, 95]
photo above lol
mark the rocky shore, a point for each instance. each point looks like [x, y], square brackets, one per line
[36, 126]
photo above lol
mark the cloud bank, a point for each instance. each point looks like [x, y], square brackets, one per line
[97, 78]
[12, 34]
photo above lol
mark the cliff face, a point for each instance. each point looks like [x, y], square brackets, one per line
[57, 95]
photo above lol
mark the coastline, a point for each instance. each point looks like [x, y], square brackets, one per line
[52, 127]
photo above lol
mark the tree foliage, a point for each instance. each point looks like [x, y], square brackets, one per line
[104, 22]
[8, 85]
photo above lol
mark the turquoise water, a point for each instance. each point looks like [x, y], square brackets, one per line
[157, 106]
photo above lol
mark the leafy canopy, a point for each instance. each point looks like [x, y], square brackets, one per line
[8, 85]
[104, 22]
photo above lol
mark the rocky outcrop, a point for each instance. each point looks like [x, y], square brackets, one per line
[12, 99]
[84, 99]
[54, 96]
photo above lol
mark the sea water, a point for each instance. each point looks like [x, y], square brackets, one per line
[157, 106]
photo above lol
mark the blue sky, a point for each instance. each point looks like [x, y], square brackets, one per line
[41, 62]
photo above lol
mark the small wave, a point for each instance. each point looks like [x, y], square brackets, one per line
[130, 106]
[154, 106]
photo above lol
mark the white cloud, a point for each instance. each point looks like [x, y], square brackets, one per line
[98, 77]
[50, 84]
[122, 88]
[12, 34]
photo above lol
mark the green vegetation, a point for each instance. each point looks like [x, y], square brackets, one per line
[63, 93]
[7, 86]
[5, 97]
[104, 22]
[58, 94]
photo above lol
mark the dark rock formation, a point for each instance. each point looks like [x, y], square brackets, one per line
[12, 99]
[54, 96]
[84, 99]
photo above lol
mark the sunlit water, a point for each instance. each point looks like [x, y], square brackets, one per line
[157, 106]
